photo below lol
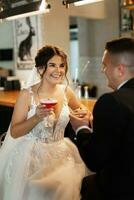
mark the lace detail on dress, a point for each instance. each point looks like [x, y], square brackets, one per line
[55, 154]
[39, 154]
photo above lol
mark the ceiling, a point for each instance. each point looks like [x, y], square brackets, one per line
[9, 8]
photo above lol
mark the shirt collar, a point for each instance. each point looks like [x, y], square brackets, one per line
[121, 84]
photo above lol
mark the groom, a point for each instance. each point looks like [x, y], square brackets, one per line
[109, 149]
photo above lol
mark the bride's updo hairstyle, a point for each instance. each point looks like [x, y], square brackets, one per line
[45, 54]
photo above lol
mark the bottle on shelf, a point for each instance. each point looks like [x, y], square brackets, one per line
[124, 3]
[78, 91]
[125, 22]
[130, 21]
[86, 96]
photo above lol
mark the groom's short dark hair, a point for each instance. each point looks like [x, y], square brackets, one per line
[121, 45]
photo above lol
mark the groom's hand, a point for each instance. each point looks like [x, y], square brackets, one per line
[78, 121]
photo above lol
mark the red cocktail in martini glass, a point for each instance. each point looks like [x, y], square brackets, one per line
[48, 103]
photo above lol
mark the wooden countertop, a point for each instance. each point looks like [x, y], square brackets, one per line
[89, 103]
[8, 98]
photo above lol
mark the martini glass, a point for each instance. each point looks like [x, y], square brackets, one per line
[48, 103]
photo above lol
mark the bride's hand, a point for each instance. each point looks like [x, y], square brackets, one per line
[42, 112]
[78, 121]
[80, 112]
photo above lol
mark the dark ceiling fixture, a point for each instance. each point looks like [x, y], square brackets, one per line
[79, 2]
[67, 2]
[22, 8]
[70, 1]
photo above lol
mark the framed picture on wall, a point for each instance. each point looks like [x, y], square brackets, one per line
[26, 40]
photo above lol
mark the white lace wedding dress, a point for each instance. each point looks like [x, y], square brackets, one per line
[42, 165]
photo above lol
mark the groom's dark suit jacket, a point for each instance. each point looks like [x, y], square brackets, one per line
[109, 150]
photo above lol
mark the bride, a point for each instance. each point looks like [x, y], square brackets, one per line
[37, 162]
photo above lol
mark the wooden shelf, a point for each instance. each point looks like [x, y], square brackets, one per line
[126, 19]
[129, 7]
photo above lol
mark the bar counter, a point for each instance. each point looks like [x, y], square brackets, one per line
[8, 98]
[89, 103]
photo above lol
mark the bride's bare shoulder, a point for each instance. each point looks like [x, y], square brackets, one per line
[23, 96]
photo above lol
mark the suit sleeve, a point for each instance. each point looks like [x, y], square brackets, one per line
[97, 149]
